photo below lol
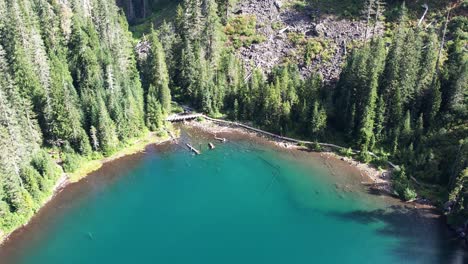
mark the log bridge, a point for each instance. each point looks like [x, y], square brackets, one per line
[179, 118]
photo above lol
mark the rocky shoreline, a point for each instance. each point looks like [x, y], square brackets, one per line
[378, 180]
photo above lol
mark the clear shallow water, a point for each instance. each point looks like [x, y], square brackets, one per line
[240, 203]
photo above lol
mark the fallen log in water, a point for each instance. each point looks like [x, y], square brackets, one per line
[196, 151]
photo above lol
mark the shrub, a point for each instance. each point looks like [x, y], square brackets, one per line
[30, 178]
[296, 38]
[301, 5]
[315, 146]
[365, 157]
[380, 161]
[161, 133]
[409, 194]
[276, 25]
[402, 186]
[4, 209]
[71, 162]
[45, 165]
[346, 152]
[241, 31]
[312, 49]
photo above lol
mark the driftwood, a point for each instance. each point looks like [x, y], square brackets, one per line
[220, 139]
[284, 29]
[196, 151]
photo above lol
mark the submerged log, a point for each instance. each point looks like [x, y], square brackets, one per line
[220, 139]
[196, 151]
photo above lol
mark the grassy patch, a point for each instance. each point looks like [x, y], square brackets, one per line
[165, 11]
[311, 48]
[299, 5]
[277, 25]
[315, 48]
[176, 108]
[296, 38]
[242, 31]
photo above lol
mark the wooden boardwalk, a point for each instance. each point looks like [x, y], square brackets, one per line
[178, 118]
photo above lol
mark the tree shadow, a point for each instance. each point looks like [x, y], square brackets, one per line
[420, 232]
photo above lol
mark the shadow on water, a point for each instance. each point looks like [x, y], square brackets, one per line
[420, 233]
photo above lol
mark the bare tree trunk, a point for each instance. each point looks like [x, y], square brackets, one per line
[424, 14]
[377, 14]
[442, 43]
[370, 4]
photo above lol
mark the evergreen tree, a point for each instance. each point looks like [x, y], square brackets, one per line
[157, 73]
[368, 96]
[153, 109]
[212, 33]
[391, 87]
[318, 120]
[107, 135]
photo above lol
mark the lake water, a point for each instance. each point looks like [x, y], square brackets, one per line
[243, 202]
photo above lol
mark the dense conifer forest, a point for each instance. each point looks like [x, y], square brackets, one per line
[72, 88]
[68, 83]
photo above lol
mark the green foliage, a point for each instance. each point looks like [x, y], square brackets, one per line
[42, 162]
[68, 81]
[300, 5]
[277, 25]
[241, 31]
[32, 180]
[402, 186]
[296, 38]
[315, 147]
[381, 161]
[365, 157]
[160, 11]
[318, 120]
[71, 162]
[346, 152]
[409, 194]
[154, 114]
[157, 75]
[313, 48]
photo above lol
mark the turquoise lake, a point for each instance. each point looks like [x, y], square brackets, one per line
[243, 202]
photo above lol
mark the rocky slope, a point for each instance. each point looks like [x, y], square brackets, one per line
[281, 21]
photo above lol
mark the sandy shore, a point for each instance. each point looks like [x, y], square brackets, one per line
[378, 180]
[66, 179]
